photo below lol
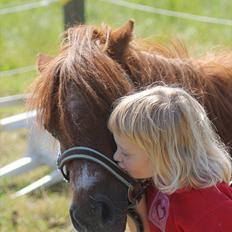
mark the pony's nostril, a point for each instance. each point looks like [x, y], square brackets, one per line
[104, 212]
[103, 209]
[74, 219]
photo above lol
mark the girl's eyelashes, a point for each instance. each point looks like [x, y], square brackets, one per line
[124, 154]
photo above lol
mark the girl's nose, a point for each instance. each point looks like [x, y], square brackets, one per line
[116, 156]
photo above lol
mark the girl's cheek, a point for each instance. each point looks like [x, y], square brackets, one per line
[127, 167]
[124, 165]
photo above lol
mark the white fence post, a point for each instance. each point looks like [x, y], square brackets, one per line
[42, 148]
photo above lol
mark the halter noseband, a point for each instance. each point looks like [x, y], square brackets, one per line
[135, 188]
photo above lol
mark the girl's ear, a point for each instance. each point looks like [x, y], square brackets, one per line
[120, 39]
[42, 61]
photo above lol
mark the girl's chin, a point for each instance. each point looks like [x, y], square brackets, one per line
[142, 177]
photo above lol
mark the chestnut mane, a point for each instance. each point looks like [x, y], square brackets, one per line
[102, 65]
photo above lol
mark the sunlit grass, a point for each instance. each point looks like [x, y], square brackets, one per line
[44, 211]
[23, 35]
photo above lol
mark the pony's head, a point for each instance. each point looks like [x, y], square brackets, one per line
[73, 96]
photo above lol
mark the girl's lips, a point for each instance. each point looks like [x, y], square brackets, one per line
[123, 169]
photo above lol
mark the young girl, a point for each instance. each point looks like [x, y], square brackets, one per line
[164, 133]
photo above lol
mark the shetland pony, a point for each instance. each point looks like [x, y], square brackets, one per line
[74, 93]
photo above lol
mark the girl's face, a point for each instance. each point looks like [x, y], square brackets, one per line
[132, 158]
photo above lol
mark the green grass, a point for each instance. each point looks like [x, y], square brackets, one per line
[43, 211]
[23, 35]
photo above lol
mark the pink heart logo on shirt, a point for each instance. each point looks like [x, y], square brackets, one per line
[160, 210]
[158, 213]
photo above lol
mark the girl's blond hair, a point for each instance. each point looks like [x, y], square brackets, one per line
[174, 130]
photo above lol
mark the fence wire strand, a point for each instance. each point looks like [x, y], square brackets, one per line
[183, 15]
[26, 6]
[16, 71]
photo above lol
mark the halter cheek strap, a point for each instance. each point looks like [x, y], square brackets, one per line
[86, 153]
[135, 188]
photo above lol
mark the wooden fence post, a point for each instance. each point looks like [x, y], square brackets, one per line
[74, 13]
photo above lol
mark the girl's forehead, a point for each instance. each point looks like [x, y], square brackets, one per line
[127, 144]
[123, 141]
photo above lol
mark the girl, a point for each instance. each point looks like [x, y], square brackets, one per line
[163, 133]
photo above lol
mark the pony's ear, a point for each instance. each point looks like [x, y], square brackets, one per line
[42, 61]
[120, 38]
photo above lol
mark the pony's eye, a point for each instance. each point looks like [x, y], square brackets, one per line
[54, 134]
[65, 173]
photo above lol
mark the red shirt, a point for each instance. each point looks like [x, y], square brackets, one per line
[195, 210]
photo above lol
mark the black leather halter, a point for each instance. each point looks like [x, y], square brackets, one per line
[135, 188]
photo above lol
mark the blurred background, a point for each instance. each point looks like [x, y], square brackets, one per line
[30, 27]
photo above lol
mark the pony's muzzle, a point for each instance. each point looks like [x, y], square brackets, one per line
[74, 219]
[101, 211]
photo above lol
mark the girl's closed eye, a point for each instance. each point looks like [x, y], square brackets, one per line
[124, 154]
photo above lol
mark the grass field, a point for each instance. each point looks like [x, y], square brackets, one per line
[24, 34]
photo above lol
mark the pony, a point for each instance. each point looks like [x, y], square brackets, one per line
[73, 96]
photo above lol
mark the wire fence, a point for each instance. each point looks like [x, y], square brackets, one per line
[122, 3]
[171, 13]
[16, 71]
